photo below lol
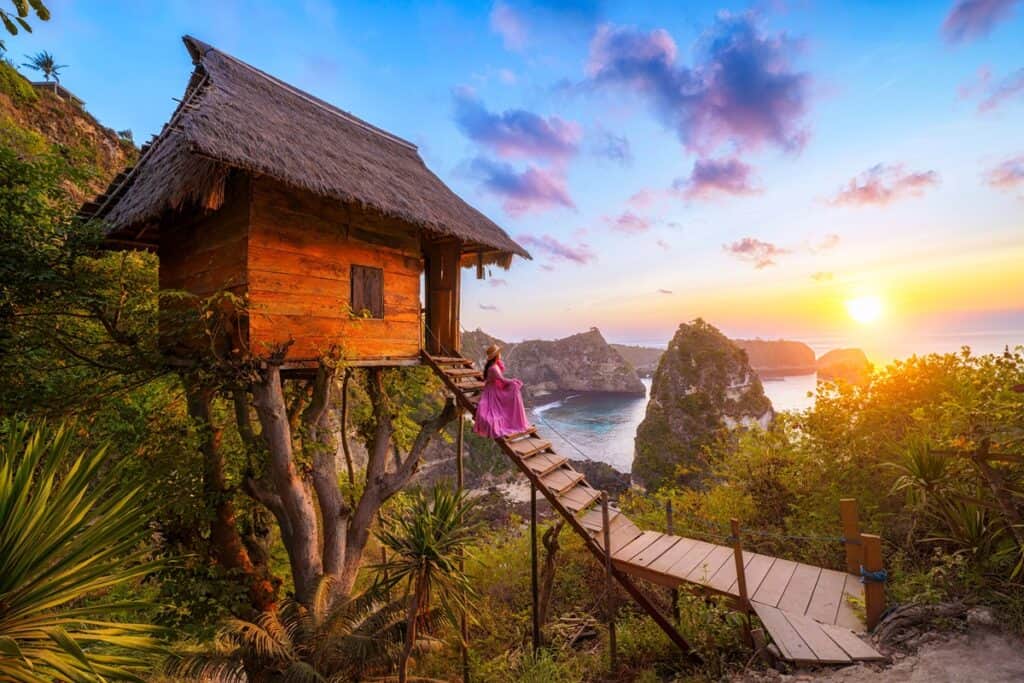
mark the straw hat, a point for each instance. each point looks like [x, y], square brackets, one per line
[492, 351]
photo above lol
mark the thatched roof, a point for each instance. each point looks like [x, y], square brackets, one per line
[234, 116]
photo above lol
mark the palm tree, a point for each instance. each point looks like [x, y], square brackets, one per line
[426, 546]
[336, 637]
[45, 63]
[67, 534]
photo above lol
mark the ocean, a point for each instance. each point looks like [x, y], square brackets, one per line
[602, 427]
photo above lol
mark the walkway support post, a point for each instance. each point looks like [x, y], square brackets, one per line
[670, 529]
[533, 567]
[874, 589]
[741, 572]
[609, 584]
[460, 473]
[850, 518]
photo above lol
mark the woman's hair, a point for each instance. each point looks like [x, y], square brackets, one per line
[488, 364]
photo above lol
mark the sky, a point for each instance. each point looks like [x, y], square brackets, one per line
[763, 166]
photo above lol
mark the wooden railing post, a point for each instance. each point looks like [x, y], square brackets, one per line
[609, 583]
[741, 571]
[874, 587]
[533, 567]
[851, 534]
[670, 529]
[460, 480]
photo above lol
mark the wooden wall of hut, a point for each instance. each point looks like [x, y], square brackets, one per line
[204, 254]
[300, 256]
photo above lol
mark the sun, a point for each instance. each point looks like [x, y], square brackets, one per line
[865, 309]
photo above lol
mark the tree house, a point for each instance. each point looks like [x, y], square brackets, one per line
[334, 230]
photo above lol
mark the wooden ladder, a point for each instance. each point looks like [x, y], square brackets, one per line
[553, 475]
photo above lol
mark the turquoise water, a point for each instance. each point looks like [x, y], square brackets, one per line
[602, 426]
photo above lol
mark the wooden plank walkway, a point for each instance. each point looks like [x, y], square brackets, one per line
[805, 609]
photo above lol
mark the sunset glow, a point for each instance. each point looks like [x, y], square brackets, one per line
[865, 309]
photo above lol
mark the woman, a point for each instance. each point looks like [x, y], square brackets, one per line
[500, 411]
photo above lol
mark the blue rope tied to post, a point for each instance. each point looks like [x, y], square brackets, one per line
[881, 576]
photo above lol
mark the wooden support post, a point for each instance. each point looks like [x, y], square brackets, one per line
[874, 591]
[851, 534]
[609, 584]
[533, 567]
[741, 571]
[670, 529]
[460, 481]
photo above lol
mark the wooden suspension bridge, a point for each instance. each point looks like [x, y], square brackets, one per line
[806, 610]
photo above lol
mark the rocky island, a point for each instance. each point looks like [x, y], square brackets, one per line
[704, 385]
[778, 357]
[583, 362]
[848, 365]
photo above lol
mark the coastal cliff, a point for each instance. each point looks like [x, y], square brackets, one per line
[778, 357]
[583, 362]
[703, 385]
[848, 365]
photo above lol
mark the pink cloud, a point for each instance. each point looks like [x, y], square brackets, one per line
[498, 282]
[971, 19]
[1008, 174]
[534, 189]
[551, 246]
[741, 88]
[516, 132]
[883, 183]
[508, 24]
[753, 250]
[629, 223]
[664, 245]
[711, 177]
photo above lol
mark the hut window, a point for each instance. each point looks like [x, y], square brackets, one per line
[367, 292]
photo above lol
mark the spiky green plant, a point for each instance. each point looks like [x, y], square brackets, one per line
[22, 9]
[336, 638]
[426, 544]
[68, 533]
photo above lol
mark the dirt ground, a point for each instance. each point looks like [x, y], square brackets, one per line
[977, 656]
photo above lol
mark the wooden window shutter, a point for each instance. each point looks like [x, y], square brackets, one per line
[367, 292]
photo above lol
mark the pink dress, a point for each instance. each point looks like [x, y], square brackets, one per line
[500, 412]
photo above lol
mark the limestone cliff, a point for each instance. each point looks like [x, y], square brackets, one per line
[583, 362]
[35, 119]
[849, 365]
[778, 357]
[644, 359]
[703, 386]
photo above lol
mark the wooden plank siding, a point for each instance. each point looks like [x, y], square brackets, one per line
[299, 263]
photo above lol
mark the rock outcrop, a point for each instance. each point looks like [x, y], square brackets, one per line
[583, 362]
[848, 365]
[703, 386]
[777, 358]
[644, 359]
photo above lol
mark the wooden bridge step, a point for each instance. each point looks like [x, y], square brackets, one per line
[591, 519]
[463, 372]
[532, 431]
[451, 360]
[468, 385]
[579, 497]
[622, 531]
[532, 445]
[543, 463]
[561, 479]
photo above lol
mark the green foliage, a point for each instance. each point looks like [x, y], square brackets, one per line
[336, 638]
[68, 533]
[425, 545]
[14, 86]
[22, 9]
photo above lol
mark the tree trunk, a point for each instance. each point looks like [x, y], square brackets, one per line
[226, 542]
[410, 631]
[303, 543]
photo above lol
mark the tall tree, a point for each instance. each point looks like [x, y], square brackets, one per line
[44, 62]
